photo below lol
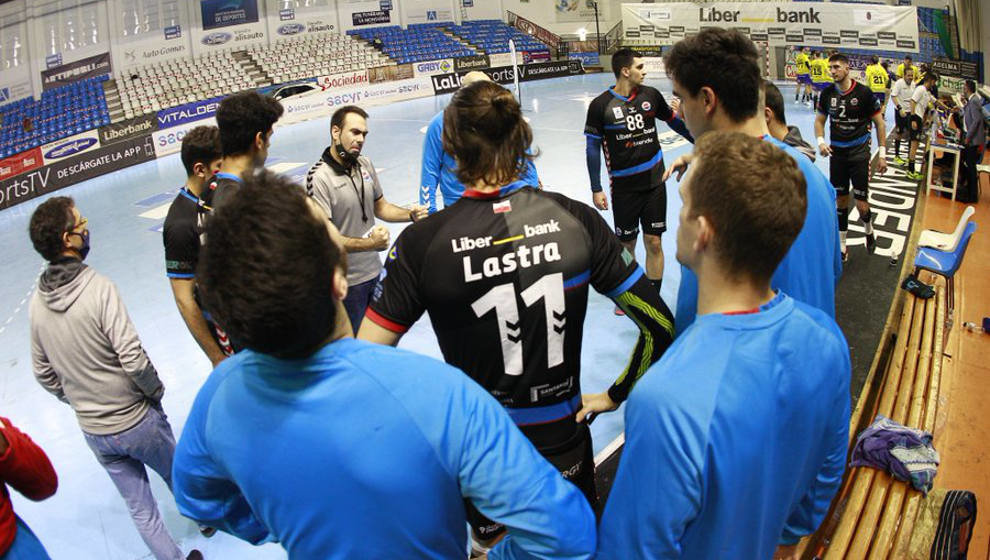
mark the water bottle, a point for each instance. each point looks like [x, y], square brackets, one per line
[894, 255]
[973, 327]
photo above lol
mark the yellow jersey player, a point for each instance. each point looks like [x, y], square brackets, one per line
[877, 80]
[819, 74]
[803, 70]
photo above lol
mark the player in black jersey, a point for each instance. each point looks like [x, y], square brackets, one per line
[246, 122]
[622, 123]
[851, 108]
[504, 275]
[201, 158]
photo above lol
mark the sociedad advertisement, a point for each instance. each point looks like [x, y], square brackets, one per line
[822, 24]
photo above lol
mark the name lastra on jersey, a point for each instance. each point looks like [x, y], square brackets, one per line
[523, 256]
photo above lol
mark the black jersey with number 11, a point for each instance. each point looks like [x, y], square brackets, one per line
[504, 277]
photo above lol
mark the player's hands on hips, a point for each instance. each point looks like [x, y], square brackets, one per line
[417, 212]
[600, 200]
[379, 235]
[593, 404]
[824, 149]
[786, 552]
[679, 166]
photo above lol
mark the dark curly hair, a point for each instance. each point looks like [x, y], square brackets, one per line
[242, 116]
[266, 270]
[49, 223]
[725, 61]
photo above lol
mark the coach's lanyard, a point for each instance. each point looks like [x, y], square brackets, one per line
[359, 192]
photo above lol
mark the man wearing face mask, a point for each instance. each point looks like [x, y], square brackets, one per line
[86, 352]
[346, 185]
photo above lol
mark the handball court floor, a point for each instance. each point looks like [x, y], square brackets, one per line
[87, 519]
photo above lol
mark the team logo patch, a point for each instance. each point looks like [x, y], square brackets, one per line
[502, 207]
[392, 255]
[646, 106]
[854, 101]
[617, 111]
[365, 175]
[834, 101]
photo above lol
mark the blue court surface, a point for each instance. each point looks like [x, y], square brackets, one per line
[87, 519]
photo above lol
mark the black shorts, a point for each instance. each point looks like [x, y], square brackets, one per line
[902, 125]
[574, 458]
[850, 165]
[632, 208]
[917, 127]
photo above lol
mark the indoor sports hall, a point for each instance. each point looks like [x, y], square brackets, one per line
[96, 96]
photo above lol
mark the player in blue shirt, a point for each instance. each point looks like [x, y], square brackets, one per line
[338, 448]
[439, 167]
[716, 74]
[736, 439]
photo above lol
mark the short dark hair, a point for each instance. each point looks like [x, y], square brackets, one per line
[267, 269]
[755, 197]
[50, 221]
[971, 85]
[839, 57]
[242, 116]
[724, 60]
[340, 114]
[483, 128]
[623, 58]
[774, 101]
[908, 57]
[929, 75]
[874, 59]
[200, 145]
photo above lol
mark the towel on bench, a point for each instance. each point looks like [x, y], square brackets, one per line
[906, 453]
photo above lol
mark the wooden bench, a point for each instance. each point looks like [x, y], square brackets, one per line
[873, 515]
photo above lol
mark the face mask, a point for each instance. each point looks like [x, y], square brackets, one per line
[84, 250]
[348, 158]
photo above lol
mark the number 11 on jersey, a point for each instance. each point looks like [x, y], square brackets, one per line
[502, 299]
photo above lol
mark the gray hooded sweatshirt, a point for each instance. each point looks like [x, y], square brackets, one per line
[86, 352]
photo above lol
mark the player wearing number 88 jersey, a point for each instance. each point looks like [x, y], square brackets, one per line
[504, 275]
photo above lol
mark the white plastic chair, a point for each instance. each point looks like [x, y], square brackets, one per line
[946, 241]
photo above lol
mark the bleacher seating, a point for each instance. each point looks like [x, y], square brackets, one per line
[60, 112]
[492, 37]
[174, 82]
[417, 43]
[316, 55]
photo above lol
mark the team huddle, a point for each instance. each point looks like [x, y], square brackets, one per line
[313, 431]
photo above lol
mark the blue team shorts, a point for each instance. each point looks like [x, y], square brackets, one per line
[819, 86]
[804, 78]
[879, 96]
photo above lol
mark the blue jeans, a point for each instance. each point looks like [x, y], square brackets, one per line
[26, 546]
[357, 300]
[124, 455]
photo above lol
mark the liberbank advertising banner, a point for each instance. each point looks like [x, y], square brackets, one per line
[823, 24]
